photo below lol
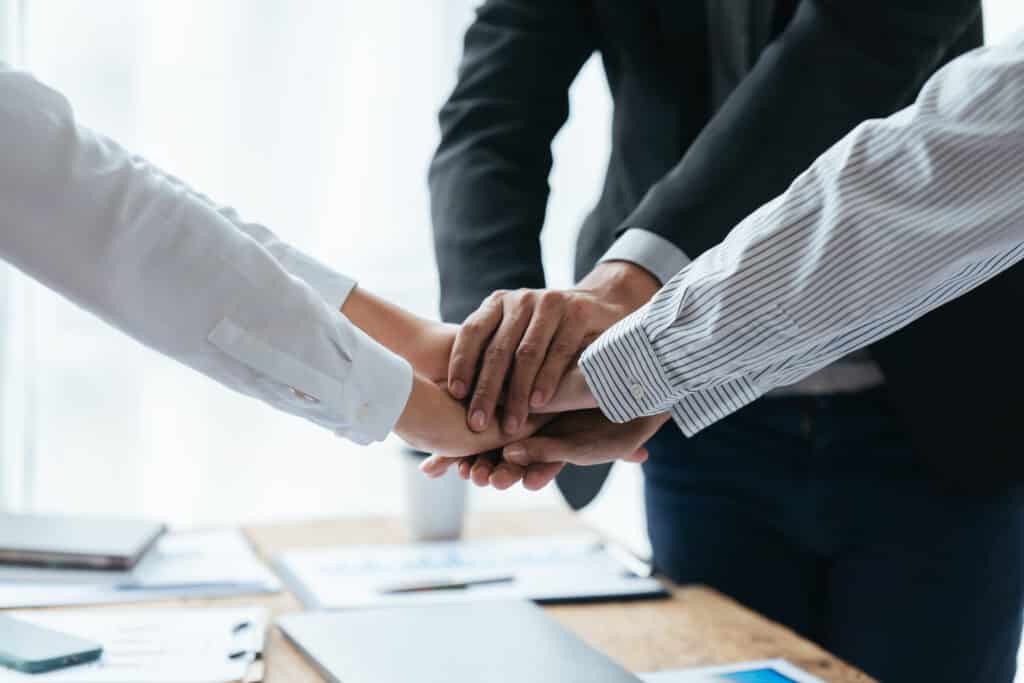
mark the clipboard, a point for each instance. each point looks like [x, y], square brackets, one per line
[220, 645]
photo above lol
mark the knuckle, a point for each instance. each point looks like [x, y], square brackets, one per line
[528, 351]
[562, 349]
[576, 308]
[552, 298]
[497, 352]
[526, 296]
[472, 328]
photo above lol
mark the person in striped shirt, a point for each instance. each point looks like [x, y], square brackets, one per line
[902, 216]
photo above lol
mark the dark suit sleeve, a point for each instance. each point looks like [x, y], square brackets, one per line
[839, 62]
[489, 177]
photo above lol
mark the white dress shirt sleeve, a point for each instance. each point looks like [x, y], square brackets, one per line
[649, 250]
[901, 216]
[141, 250]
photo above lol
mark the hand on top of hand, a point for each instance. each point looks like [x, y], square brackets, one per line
[580, 438]
[514, 362]
[435, 422]
[522, 343]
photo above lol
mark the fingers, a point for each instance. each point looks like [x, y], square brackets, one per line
[529, 356]
[469, 344]
[539, 449]
[561, 355]
[539, 476]
[498, 359]
[481, 470]
[437, 465]
[640, 455]
[506, 475]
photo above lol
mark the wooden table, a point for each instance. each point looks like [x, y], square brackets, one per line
[695, 626]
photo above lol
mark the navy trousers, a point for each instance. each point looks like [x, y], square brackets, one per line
[812, 512]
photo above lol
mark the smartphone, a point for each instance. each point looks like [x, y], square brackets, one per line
[33, 649]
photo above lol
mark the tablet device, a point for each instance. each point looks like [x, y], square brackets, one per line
[767, 671]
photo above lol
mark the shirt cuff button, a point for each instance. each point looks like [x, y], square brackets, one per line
[303, 395]
[637, 390]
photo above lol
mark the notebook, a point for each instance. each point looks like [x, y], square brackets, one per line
[543, 569]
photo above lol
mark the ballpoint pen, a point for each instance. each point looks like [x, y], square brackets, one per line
[442, 584]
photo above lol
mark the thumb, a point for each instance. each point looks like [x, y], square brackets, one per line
[538, 449]
[638, 456]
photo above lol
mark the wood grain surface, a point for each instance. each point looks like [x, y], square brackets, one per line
[695, 626]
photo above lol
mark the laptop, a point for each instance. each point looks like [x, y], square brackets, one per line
[486, 642]
[80, 543]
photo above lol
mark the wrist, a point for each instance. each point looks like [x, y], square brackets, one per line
[621, 283]
[411, 423]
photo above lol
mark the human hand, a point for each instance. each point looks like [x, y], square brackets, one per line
[531, 337]
[580, 438]
[434, 422]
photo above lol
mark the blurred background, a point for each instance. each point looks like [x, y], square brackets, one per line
[316, 118]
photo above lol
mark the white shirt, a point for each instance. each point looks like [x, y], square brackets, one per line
[188, 278]
[899, 217]
[663, 259]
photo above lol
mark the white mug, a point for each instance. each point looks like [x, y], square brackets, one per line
[434, 508]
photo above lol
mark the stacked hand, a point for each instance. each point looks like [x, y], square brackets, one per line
[514, 362]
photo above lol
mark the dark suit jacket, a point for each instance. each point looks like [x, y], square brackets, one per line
[718, 105]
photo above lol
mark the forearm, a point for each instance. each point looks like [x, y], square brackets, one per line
[122, 239]
[424, 343]
[489, 177]
[901, 216]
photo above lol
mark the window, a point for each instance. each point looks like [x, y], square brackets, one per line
[317, 118]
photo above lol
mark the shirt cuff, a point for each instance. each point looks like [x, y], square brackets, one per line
[650, 251]
[380, 382]
[701, 409]
[624, 373]
[331, 285]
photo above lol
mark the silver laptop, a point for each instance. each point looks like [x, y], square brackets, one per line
[80, 543]
[483, 642]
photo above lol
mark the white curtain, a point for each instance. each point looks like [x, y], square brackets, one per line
[12, 377]
[317, 117]
[314, 116]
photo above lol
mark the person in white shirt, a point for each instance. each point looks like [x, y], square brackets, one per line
[903, 215]
[190, 279]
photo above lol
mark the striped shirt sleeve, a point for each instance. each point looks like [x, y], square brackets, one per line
[899, 217]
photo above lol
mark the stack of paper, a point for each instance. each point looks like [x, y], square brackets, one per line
[193, 564]
[544, 569]
[159, 646]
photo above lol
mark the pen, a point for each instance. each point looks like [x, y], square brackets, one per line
[442, 584]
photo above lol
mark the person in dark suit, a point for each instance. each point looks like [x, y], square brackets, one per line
[839, 506]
